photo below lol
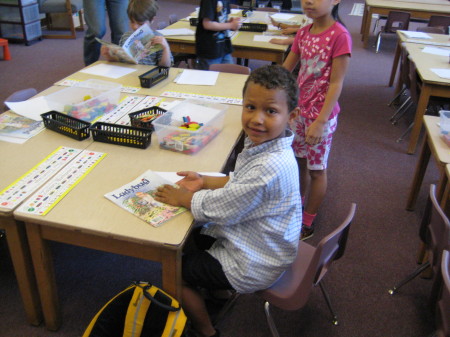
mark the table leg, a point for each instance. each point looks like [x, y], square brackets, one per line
[421, 167]
[23, 268]
[398, 49]
[441, 185]
[445, 202]
[363, 22]
[45, 276]
[171, 273]
[366, 32]
[418, 119]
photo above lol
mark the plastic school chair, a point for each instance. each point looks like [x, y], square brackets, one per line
[440, 21]
[6, 54]
[443, 304]
[396, 20]
[293, 288]
[230, 68]
[435, 234]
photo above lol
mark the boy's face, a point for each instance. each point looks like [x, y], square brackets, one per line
[135, 25]
[265, 113]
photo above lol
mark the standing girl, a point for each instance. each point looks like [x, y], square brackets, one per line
[323, 49]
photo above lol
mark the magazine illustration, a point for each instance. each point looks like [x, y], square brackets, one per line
[137, 197]
[133, 50]
[13, 125]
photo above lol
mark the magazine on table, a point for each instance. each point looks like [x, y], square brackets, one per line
[137, 197]
[133, 50]
[13, 125]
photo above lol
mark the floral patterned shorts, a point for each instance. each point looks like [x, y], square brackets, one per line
[316, 155]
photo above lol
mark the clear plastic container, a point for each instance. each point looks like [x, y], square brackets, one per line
[445, 121]
[172, 135]
[30, 14]
[15, 31]
[87, 101]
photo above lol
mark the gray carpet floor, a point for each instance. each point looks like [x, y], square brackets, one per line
[366, 166]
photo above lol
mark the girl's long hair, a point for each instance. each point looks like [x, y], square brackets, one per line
[335, 14]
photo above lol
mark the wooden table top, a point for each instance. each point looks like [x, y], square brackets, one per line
[86, 209]
[441, 149]
[221, 88]
[436, 39]
[426, 61]
[241, 39]
[442, 6]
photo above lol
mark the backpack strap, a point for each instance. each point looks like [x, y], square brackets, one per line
[154, 300]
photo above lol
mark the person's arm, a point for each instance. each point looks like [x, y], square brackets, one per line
[291, 61]
[105, 52]
[182, 196]
[283, 42]
[289, 31]
[194, 181]
[338, 69]
[174, 196]
[232, 24]
[284, 26]
[166, 60]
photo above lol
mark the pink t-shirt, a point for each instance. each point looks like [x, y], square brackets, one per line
[316, 53]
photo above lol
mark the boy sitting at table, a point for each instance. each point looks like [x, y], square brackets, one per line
[141, 12]
[253, 217]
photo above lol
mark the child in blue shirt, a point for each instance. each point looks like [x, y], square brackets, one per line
[142, 12]
[253, 216]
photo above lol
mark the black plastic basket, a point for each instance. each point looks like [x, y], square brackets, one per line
[154, 76]
[137, 118]
[253, 27]
[69, 126]
[121, 135]
[193, 21]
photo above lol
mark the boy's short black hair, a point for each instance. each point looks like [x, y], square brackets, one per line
[275, 77]
[142, 10]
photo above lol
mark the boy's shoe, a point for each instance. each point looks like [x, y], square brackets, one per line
[307, 232]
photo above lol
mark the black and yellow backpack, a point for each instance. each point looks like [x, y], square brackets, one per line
[141, 310]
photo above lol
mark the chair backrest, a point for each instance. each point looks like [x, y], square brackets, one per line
[292, 290]
[438, 229]
[443, 319]
[230, 68]
[440, 21]
[404, 68]
[161, 25]
[414, 83]
[59, 6]
[173, 18]
[431, 30]
[332, 247]
[397, 20]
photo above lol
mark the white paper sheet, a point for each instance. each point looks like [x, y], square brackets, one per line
[436, 51]
[267, 38]
[32, 108]
[174, 178]
[108, 70]
[282, 16]
[13, 140]
[178, 31]
[415, 35]
[198, 77]
[442, 73]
